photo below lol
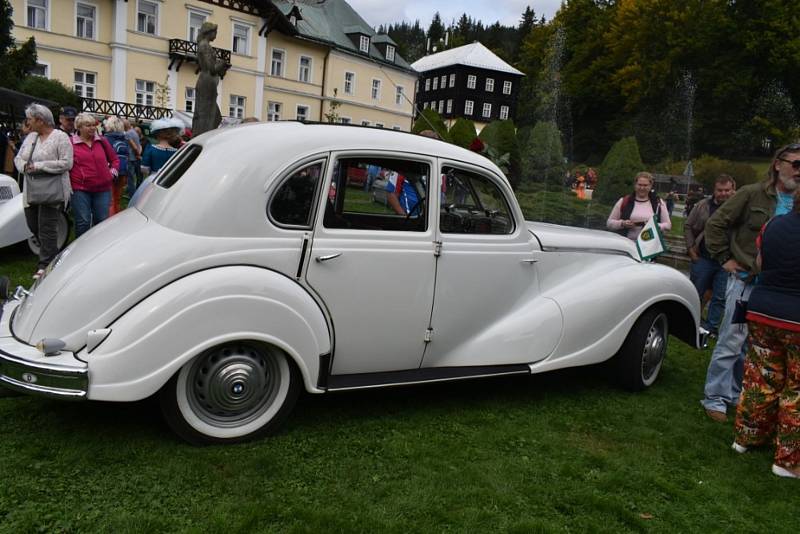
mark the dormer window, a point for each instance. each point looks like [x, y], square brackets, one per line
[389, 53]
[364, 44]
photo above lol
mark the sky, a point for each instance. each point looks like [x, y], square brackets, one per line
[508, 12]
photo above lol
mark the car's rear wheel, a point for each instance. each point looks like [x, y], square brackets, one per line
[231, 393]
[642, 354]
[62, 234]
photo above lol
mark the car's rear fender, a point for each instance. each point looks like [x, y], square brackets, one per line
[158, 335]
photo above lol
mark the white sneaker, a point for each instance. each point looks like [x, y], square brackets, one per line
[741, 449]
[783, 472]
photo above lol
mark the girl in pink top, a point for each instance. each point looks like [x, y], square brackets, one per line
[632, 212]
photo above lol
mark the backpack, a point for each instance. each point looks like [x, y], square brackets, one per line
[123, 151]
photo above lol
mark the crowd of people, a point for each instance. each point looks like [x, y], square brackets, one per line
[744, 247]
[85, 166]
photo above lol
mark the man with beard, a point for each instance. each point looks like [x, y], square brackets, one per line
[706, 273]
[730, 237]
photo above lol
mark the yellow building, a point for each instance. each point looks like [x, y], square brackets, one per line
[288, 60]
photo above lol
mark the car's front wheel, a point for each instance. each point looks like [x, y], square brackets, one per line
[231, 393]
[642, 354]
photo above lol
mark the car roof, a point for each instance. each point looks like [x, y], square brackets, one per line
[222, 192]
[322, 137]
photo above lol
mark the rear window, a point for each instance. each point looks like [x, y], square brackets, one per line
[178, 165]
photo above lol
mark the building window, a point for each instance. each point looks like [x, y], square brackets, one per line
[428, 84]
[396, 128]
[389, 53]
[487, 110]
[196, 20]
[85, 84]
[190, 99]
[85, 21]
[378, 125]
[41, 70]
[436, 83]
[452, 80]
[145, 92]
[237, 106]
[274, 111]
[345, 120]
[468, 106]
[506, 88]
[301, 113]
[37, 14]
[304, 72]
[489, 85]
[503, 113]
[449, 106]
[471, 81]
[349, 83]
[376, 89]
[443, 83]
[147, 17]
[241, 39]
[276, 67]
[399, 94]
[364, 123]
[363, 44]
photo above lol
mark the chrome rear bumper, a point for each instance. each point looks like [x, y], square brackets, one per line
[25, 369]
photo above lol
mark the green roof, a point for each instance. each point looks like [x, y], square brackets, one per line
[330, 22]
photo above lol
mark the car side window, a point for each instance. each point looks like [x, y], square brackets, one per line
[473, 204]
[177, 165]
[293, 202]
[378, 194]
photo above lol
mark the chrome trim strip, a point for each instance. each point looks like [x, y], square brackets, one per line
[51, 392]
[588, 250]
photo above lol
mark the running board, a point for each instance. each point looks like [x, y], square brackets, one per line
[421, 376]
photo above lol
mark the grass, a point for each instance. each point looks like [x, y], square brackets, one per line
[562, 451]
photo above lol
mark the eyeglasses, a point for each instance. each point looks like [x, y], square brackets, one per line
[794, 163]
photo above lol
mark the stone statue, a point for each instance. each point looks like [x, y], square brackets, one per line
[206, 113]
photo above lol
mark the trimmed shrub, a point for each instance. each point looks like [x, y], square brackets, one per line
[50, 90]
[542, 158]
[618, 169]
[462, 132]
[430, 120]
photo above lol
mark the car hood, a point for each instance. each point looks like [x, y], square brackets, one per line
[566, 238]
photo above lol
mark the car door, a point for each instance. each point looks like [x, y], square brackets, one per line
[487, 309]
[372, 266]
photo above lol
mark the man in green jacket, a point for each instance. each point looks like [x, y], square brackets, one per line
[730, 236]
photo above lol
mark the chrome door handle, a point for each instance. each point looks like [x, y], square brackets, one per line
[529, 262]
[320, 259]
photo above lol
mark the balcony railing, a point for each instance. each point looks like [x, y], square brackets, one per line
[181, 51]
[124, 109]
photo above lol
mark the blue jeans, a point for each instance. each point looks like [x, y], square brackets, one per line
[708, 274]
[134, 176]
[89, 209]
[725, 370]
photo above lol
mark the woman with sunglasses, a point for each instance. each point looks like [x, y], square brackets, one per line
[770, 401]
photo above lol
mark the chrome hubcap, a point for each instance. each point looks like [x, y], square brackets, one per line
[233, 384]
[655, 347]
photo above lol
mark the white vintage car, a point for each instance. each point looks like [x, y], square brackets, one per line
[250, 270]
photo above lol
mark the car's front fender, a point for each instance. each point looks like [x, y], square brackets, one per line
[159, 334]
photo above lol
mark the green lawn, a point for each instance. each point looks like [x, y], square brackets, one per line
[562, 451]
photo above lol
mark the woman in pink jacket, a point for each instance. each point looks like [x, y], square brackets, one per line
[95, 165]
